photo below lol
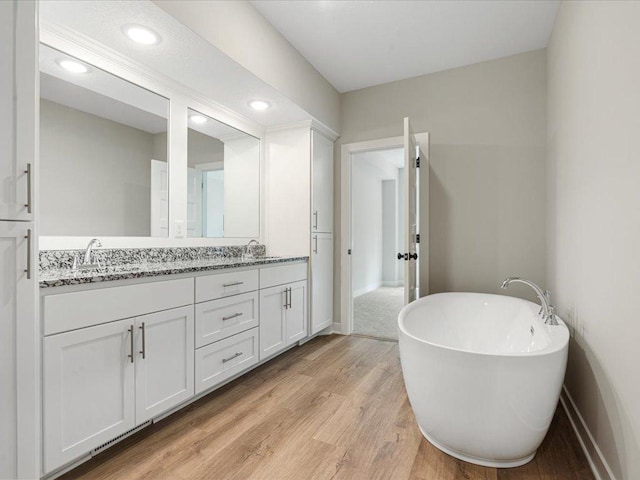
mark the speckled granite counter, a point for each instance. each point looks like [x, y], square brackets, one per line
[55, 268]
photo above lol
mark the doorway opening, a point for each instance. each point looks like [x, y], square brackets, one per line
[377, 236]
[380, 197]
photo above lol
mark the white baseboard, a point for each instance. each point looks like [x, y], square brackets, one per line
[367, 289]
[337, 328]
[597, 462]
[394, 283]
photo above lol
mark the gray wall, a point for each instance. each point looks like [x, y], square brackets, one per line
[487, 198]
[594, 216]
[94, 175]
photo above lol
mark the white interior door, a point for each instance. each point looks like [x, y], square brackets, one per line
[410, 216]
[159, 199]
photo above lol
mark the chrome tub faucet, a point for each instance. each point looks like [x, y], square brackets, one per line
[547, 311]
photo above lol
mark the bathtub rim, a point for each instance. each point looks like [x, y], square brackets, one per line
[557, 344]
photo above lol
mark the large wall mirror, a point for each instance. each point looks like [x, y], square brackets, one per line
[103, 152]
[223, 192]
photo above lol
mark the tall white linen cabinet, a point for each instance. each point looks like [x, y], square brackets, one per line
[299, 208]
[19, 334]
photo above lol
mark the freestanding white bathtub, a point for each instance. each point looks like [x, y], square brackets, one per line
[483, 374]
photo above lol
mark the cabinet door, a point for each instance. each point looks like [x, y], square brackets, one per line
[17, 329]
[322, 161]
[164, 361]
[88, 394]
[272, 320]
[296, 312]
[321, 282]
[18, 95]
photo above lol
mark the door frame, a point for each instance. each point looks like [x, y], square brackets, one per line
[346, 152]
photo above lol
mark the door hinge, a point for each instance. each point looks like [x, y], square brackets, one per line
[349, 252]
[417, 238]
[418, 162]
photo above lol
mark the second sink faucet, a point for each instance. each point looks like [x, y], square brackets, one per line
[547, 311]
[87, 253]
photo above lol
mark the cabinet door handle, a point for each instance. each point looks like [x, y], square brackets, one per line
[130, 330]
[315, 245]
[289, 296]
[315, 219]
[28, 270]
[28, 172]
[235, 355]
[231, 316]
[286, 298]
[232, 284]
[144, 343]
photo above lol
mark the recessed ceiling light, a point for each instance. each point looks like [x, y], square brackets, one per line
[259, 104]
[142, 35]
[73, 66]
[198, 119]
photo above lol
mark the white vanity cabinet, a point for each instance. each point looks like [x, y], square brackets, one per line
[107, 367]
[283, 308]
[88, 389]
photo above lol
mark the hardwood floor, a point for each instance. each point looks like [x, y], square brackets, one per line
[334, 408]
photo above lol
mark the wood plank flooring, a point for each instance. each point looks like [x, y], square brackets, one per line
[332, 409]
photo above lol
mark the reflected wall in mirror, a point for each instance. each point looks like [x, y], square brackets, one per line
[223, 193]
[103, 152]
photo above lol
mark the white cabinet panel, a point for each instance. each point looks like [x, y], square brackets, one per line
[272, 320]
[18, 95]
[164, 361]
[17, 324]
[321, 282]
[222, 318]
[296, 313]
[88, 389]
[322, 181]
[224, 359]
[279, 275]
[221, 285]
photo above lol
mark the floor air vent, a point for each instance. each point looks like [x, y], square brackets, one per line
[106, 445]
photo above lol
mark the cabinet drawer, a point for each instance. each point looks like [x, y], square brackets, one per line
[224, 359]
[70, 311]
[225, 284]
[271, 276]
[218, 319]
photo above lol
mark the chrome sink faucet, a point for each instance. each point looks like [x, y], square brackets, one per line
[248, 251]
[87, 261]
[547, 311]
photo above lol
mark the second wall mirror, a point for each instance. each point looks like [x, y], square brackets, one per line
[223, 192]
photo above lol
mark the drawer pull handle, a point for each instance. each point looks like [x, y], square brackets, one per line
[233, 284]
[28, 173]
[28, 270]
[144, 348]
[130, 330]
[231, 316]
[235, 355]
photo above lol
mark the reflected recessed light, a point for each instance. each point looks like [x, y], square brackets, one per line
[142, 35]
[259, 104]
[73, 66]
[199, 119]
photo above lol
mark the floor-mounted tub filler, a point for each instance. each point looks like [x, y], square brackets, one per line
[483, 373]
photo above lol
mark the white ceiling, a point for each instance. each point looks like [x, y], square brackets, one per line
[357, 44]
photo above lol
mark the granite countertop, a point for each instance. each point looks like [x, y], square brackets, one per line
[57, 277]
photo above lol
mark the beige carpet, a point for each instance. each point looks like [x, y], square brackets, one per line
[375, 313]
